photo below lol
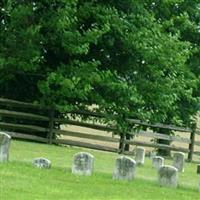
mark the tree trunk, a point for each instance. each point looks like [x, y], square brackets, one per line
[127, 137]
[164, 152]
[127, 146]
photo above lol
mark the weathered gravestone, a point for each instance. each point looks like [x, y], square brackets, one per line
[139, 155]
[4, 146]
[168, 176]
[83, 164]
[42, 163]
[157, 162]
[124, 168]
[179, 160]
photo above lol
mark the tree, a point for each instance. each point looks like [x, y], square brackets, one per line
[182, 18]
[74, 54]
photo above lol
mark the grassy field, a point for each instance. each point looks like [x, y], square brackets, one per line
[19, 180]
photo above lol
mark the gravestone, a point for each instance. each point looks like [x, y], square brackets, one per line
[83, 164]
[4, 146]
[124, 168]
[179, 160]
[139, 155]
[42, 163]
[157, 162]
[168, 176]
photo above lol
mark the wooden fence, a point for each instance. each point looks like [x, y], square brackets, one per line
[38, 124]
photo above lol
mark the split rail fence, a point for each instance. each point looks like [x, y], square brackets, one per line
[38, 124]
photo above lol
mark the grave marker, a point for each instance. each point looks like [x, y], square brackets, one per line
[124, 168]
[83, 164]
[4, 146]
[168, 176]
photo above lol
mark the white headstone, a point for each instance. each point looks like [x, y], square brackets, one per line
[157, 162]
[42, 163]
[168, 176]
[179, 160]
[124, 168]
[83, 164]
[139, 155]
[4, 146]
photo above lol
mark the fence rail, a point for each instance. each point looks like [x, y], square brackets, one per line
[164, 137]
[17, 135]
[14, 103]
[40, 126]
[22, 115]
[23, 127]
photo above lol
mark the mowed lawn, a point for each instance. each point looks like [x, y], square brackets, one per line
[19, 180]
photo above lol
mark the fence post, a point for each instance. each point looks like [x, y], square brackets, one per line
[191, 145]
[51, 126]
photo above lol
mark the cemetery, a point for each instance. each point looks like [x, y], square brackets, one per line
[100, 99]
[113, 173]
[69, 172]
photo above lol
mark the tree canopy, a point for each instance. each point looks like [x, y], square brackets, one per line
[128, 58]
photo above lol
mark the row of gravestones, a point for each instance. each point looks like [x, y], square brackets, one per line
[158, 161]
[83, 164]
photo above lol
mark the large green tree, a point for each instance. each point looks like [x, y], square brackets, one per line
[182, 17]
[72, 54]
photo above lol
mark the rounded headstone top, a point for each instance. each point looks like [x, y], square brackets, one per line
[83, 154]
[5, 134]
[179, 153]
[126, 158]
[168, 168]
[158, 157]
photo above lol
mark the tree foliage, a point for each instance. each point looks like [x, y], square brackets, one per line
[182, 17]
[129, 58]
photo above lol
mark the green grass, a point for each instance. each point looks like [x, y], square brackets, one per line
[19, 180]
